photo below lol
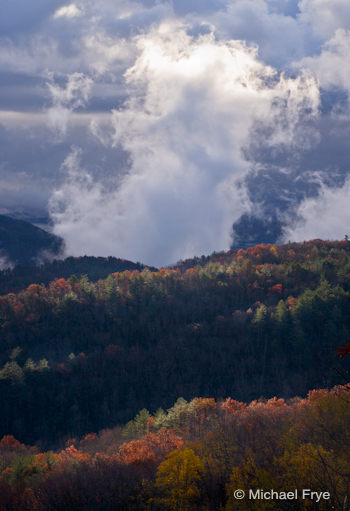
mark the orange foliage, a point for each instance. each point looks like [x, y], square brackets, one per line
[150, 448]
[204, 407]
[259, 250]
[33, 289]
[277, 288]
[274, 402]
[71, 455]
[42, 463]
[316, 395]
[232, 407]
[60, 287]
[87, 439]
[10, 443]
[291, 302]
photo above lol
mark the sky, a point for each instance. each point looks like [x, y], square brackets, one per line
[157, 130]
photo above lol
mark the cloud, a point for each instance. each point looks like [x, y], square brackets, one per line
[326, 216]
[286, 7]
[67, 98]
[5, 263]
[332, 65]
[281, 37]
[67, 11]
[245, 96]
[191, 107]
[325, 16]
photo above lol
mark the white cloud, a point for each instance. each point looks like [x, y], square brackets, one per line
[191, 106]
[66, 99]
[5, 263]
[106, 53]
[325, 16]
[332, 65]
[194, 103]
[67, 11]
[281, 38]
[326, 216]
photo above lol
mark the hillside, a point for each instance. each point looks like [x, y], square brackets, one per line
[21, 276]
[78, 356]
[23, 243]
[193, 457]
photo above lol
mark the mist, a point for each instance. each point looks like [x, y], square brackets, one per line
[192, 102]
[159, 130]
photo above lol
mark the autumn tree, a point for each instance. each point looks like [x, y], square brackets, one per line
[178, 480]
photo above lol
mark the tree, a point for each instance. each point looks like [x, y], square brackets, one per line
[178, 479]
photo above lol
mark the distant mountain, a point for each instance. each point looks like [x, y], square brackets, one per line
[23, 243]
[95, 268]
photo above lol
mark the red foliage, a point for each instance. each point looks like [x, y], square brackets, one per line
[277, 288]
[150, 448]
[71, 455]
[87, 439]
[276, 403]
[259, 250]
[60, 287]
[316, 395]
[10, 443]
[10, 447]
[344, 350]
[33, 289]
[205, 406]
[232, 407]
[291, 302]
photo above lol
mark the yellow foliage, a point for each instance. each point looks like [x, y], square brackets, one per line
[313, 467]
[245, 477]
[273, 250]
[178, 479]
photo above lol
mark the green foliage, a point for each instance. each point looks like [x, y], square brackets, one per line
[138, 426]
[15, 353]
[246, 323]
[261, 314]
[273, 444]
[12, 371]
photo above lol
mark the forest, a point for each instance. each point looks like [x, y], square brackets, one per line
[250, 331]
[194, 456]
[22, 275]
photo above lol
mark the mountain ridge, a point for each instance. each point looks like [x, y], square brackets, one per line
[21, 242]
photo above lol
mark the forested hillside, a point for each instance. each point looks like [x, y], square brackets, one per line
[78, 356]
[21, 276]
[193, 457]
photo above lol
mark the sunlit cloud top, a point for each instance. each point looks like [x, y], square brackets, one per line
[192, 124]
[67, 11]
